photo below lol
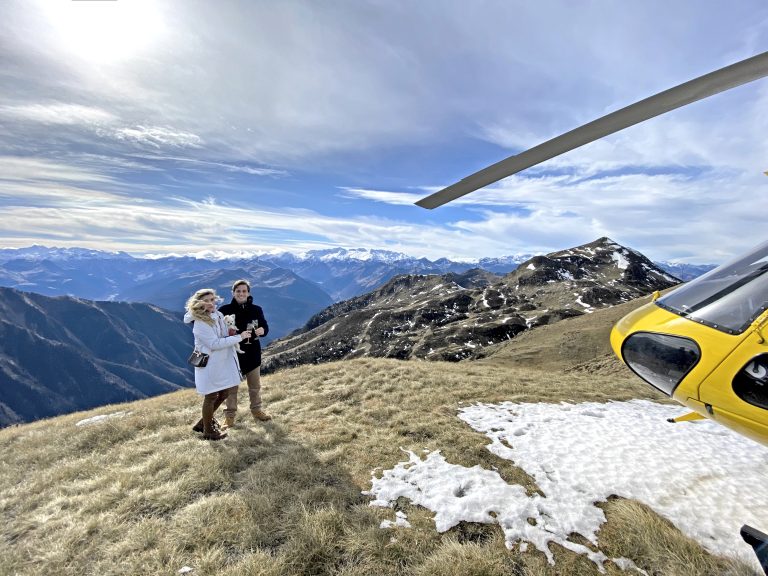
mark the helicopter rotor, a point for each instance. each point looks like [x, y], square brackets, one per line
[699, 88]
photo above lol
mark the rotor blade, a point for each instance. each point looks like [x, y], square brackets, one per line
[697, 89]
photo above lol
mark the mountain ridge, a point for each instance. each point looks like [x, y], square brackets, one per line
[454, 317]
[341, 273]
[63, 354]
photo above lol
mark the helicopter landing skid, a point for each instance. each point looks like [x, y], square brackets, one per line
[759, 542]
[686, 417]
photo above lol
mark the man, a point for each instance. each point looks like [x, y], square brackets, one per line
[246, 313]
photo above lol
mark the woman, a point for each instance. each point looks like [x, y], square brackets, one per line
[222, 372]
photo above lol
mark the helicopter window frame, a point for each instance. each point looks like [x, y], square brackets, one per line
[729, 298]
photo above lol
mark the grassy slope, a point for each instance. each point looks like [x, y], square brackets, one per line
[143, 495]
[577, 343]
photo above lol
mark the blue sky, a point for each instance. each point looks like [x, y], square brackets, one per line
[156, 126]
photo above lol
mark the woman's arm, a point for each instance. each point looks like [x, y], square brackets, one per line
[206, 336]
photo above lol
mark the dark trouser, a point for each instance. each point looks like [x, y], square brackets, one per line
[253, 379]
[210, 403]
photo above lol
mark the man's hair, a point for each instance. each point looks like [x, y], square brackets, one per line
[241, 283]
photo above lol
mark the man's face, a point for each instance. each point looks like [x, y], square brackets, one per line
[241, 294]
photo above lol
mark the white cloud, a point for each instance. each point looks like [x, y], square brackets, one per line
[58, 113]
[396, 198]
[159, 137]
[17, 168]
[318, 96]
[636, 210]
[194, 163]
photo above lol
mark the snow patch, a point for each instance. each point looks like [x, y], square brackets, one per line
[101, 418]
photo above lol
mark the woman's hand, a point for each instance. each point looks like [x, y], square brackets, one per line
[245, 334]
[259, 332]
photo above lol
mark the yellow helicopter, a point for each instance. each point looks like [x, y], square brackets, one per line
[705, 343]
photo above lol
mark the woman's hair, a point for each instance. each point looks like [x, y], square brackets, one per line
[241, 283]
[196, 306]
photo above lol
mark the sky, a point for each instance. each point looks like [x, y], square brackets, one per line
[704, 478]
[180, 126]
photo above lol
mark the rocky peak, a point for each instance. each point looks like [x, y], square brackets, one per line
[455, 316]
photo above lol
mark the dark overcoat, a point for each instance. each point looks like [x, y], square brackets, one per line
[245, 313]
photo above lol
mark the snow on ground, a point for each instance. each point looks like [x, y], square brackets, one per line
[101, 418]
[703, 477]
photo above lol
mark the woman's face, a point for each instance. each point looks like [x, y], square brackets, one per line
[241, 294]
[210, 302]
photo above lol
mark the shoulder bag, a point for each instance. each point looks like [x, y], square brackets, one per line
[198, 359]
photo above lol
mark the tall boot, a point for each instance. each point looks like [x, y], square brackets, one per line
[198, 427]
[209, 407]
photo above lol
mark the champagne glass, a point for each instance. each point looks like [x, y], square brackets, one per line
[252, 325]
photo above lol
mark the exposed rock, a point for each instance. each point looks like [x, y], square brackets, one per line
[455, 316]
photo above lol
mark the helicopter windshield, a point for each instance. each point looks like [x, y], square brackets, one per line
[727, 298]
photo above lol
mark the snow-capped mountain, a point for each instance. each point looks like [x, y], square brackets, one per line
[37, 252]
[685, 272]
[166, 282]
[456, 316]
[290, 286]
[339, 272]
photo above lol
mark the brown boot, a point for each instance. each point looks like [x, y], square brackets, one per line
[259, 414]
[214, 435]
[199, 426]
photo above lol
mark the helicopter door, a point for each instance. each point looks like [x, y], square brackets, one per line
[737, 390]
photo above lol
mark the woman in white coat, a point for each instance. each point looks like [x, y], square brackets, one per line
[223, 370]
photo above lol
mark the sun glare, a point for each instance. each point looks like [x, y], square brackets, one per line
[104, 30]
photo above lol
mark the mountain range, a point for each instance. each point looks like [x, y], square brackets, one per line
[290, 287]
[66, 353]
[62, 354]
[287, 299]
[456, 316]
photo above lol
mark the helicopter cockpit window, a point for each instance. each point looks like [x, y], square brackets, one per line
[727, 298]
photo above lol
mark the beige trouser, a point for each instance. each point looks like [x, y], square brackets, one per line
[254, 394]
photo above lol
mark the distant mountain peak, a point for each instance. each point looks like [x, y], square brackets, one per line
[454, 317]
[363, 254]
[37, 252]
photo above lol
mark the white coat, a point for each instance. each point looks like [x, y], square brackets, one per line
[223, 369]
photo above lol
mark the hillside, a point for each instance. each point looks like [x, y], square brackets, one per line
[575, 344]
[458, 316]
[136, 492]
[58, 355]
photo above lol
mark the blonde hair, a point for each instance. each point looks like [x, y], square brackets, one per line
[196, 307]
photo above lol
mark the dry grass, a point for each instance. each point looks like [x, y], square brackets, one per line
[635, 531]
[142, 494]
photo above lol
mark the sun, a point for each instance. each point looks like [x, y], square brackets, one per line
[104, 30]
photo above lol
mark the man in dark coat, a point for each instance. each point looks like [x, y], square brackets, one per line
[248, 316]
